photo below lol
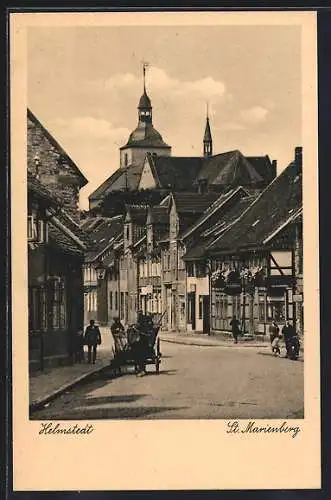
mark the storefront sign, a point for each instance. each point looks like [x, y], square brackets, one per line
[233, 289]
[145, 290]
[280, 281]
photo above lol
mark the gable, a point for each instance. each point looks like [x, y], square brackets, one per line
[147, 180]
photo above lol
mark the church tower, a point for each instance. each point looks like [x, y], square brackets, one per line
[145, 138]
[207, 138]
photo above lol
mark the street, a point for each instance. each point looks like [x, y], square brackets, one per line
[194, 382]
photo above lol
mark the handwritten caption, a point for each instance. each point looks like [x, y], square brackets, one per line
[50, 428]
[235, 427]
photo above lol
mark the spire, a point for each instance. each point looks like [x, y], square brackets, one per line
[207, 138]
[145, 105]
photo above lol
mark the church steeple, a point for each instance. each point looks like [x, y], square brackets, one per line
[207, 138]
[145, 105]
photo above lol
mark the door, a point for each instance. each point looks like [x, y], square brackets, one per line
[205, 314]
[191, 310]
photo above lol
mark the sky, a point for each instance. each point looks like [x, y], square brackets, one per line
[84, 84]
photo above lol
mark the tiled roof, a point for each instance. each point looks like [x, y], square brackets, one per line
[263, 166]
[176, 172]
[229, 169]
[271, 208]
[221, 200]
[36, 188]
[193, 203]
[123, 178]
[60, 240]
[34, 119]
[226, 219]
[104, 236]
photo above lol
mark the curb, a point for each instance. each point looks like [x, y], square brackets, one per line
[38, 403]
[209, 344]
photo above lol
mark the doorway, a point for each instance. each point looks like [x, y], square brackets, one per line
[205, 314]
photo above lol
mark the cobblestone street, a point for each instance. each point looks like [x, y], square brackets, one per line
[194, 382]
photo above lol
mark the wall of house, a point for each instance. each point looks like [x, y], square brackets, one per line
[147, 180]
[56, 312]
[136, 156]
[113, 295]
[39, 146]
[200, 286]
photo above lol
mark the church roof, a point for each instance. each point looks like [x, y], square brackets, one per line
[144, 101]
[145, 135]
[207, 137]
[122, 179]
[228, 169]
[176, 172]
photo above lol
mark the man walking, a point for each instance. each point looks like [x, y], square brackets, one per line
[92, 340]
[234, 323]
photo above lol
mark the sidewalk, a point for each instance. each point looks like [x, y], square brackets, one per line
[44, 386]
[223, 339]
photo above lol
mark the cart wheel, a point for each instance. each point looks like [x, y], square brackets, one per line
[157, 366]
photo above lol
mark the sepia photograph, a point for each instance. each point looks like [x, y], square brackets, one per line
[166, 201]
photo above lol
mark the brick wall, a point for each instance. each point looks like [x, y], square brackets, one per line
[39, 146]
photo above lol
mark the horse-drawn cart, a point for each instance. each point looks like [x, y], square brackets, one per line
[136, 348]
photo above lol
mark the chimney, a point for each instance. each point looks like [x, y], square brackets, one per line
[274, 168]
[298, 158]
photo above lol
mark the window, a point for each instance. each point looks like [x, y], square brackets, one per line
[116, 301]
[32, 228]
[200, 270]
[57, 304]
[110, 300]
[126, 159]
[190, 269]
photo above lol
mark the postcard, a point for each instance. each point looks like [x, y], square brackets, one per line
[165, 258]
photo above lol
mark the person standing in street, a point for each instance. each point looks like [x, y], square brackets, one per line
[234, 323]
[288, 333]
[92, 340]
[273, 333]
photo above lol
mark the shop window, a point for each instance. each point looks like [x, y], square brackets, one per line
[276, 310]
[57, 303]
